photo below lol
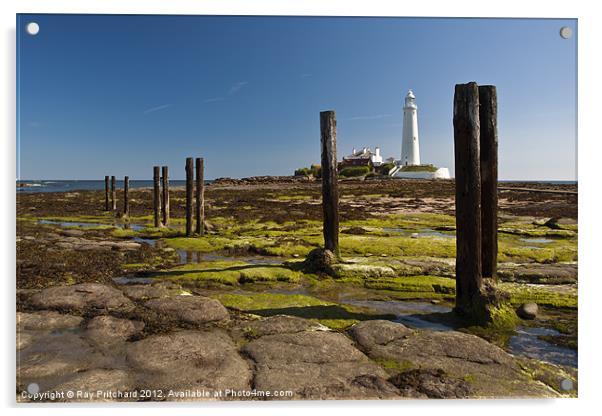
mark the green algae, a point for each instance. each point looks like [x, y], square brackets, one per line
[330, 314]
[259, 301]
[269, 274]
[292, 239]
[203, 244]
[229, 273]
[338, 324]
[540, 294]
[496, 325]
[123, 233]
[412, 221]
[397, 246]
[294, 197]
[503, 318]
[413, 284]
[342, 270]
[108, 218]
[393, 366]
[515, 250]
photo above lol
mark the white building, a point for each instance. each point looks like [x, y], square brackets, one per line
[366, 153]
[410, 148]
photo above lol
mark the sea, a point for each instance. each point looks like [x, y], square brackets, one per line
[31, 186]
[35, 186]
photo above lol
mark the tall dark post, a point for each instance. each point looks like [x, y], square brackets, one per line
[165, 194]
[200, 196]
[156, 196]
[489, 162]
[189, 191]
[107, 206]
[113, 194]
[126, 196]
[468, 198]
[330, 190]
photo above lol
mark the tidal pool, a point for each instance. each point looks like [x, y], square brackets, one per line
[527, 343]
[425, 232]
[537, 240]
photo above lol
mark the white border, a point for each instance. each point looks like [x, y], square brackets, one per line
[589, 151]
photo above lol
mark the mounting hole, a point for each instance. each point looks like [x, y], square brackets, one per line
[566, 384]
[32, 28]
[566, 32]
[33, 388]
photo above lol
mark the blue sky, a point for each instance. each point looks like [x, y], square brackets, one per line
[116, 95]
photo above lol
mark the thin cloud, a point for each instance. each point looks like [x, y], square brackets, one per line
[236, 87]
[214, 99]
[372, 117]
[305, 75]
[158, 108]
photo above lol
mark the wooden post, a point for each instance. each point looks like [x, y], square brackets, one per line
[165, 195]
[126, 197]
[107, 206]
[189, 191]
[468, 198]
[330, 189]
[489, 175]
[113, 194]
[156, 196]
[200, 196]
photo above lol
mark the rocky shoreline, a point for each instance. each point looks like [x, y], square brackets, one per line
[117, 305]
[94, 337]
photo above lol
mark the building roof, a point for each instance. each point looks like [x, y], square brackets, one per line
[364, 153]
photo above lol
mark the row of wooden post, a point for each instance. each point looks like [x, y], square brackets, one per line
[112, 191]
[161, 198]
[161, 195]
[199, 195]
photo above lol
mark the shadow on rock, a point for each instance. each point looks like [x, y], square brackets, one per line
[320, 312]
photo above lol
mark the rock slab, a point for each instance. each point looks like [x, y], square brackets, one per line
[189, 309]
[83, 298]
[187, 360]
[317, 365]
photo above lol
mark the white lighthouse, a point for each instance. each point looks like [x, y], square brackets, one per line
[410, 149]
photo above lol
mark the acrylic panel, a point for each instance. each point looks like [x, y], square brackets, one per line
[295, 208]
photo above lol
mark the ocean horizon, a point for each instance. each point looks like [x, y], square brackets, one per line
[48, 185]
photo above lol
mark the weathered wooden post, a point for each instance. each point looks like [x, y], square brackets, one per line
[189, 191]
[126, 196]
[468, 199]
[165, 194]
[113, 194]
[200, 196]
[107, 206]
[330, 189]
[156, 196]
[489, 163]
